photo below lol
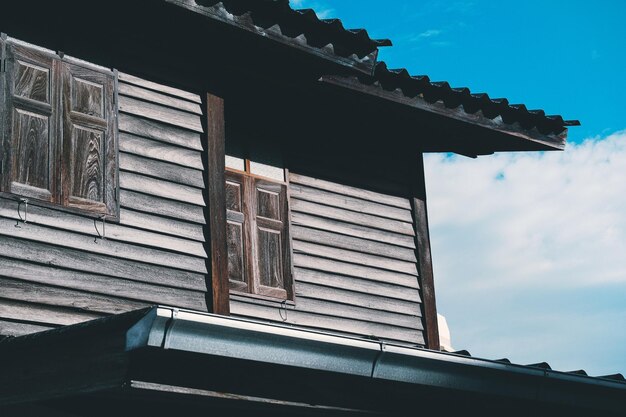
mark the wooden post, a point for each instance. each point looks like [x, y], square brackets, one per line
[216, 205]
[422, 243]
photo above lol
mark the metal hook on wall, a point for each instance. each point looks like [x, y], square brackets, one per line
[19, 214]
[283, 307]
[95, 226]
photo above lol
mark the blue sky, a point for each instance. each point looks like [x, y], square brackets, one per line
[529, 250]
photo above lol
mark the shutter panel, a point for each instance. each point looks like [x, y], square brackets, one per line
[29, 156]
[270, 226]
[89, 142]
[236, 233]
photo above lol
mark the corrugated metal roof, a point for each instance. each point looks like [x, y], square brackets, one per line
[433, 91]
[546, 366]
[355, 49]
[299, 28]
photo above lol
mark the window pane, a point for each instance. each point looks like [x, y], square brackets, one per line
[268, 171]
[270, 258]
[235, 163]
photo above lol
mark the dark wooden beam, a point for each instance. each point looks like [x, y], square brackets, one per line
[216, 205]
[424, 259]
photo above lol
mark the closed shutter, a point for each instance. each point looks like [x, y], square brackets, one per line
[269, 200]
[89, 174]
[31, 117]
[236, 232]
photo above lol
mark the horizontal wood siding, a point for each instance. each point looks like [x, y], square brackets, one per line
[54, 270]
[354, 260]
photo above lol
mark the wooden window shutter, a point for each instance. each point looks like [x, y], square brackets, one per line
[270, 218]
[89, 176]
[236, 232]
[30, 145]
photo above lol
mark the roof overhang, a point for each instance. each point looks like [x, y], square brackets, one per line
[300, 29]
[466, 133]
[189, 357]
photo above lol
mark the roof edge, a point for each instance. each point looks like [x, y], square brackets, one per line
[536, 139]
[364, 64]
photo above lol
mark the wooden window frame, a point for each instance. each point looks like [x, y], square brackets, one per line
[63, 118]
[251, 286]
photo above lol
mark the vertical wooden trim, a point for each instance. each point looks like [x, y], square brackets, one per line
[216, 213]
[291, 291]
[3, 114]
[422, 243]
[251, 240]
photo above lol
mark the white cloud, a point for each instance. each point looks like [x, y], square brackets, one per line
[429, 33]
[529, 250]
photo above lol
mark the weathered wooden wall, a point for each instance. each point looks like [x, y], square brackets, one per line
[354, 264]
[53, 269]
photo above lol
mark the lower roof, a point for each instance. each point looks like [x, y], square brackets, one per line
[244, 363]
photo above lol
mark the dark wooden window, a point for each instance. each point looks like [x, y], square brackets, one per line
[257, 233]
[58, 136]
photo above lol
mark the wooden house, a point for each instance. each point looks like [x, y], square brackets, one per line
[257, 171]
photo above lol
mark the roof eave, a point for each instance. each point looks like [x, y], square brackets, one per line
[508, 137]
[352, 63]
[157, 338]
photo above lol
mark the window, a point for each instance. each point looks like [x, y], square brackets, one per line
[257, 230]
[58, 130]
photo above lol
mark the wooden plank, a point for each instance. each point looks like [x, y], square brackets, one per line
[162, 224]
[100, 284]
[161, 170]
[44, 315]
[36, 233]
[373, 173]
[336, 308]
[371, 301]
[78, 260]
[422, 242]
[357, 258]
[352, 243]
[158, 98]
[358, 205]
[358, 271]
[361, 193]
[162, 207]
[327, 323]
[351, 217]
[160, 87]
[149, 148]
[117, 232]
[160, 132]
[350, 229]
[25, 291]
[20, 328]
[218, 250]
[358, 312]
[381, 289]
[160, 188]
[159, 113]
